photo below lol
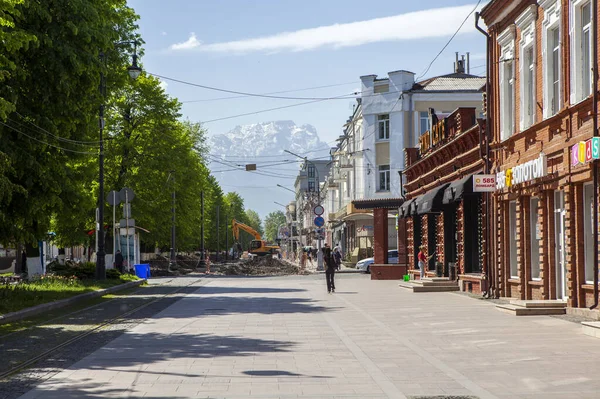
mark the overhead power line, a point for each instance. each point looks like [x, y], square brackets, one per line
[273, 92]
[348, 95]
[46, 132]
[449, 40]
[44, 142]
[261, 111]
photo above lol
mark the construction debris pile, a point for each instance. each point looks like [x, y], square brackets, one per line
[260, 266]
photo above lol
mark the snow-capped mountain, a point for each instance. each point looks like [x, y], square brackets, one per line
[267, 138]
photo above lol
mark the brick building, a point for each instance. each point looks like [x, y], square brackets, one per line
[541, 104]
[443, 213]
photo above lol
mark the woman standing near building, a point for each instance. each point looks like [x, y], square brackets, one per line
[423, 259]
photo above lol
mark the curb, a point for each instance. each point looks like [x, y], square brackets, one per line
[44, 307]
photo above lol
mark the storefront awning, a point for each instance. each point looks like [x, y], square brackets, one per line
[378, 203]
[457, 189]
[406, 209]
[431, 201]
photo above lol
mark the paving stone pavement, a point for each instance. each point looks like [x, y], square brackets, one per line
[286, 338]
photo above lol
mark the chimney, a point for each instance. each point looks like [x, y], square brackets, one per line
[459, 66]
[468, 63]
[456, 63]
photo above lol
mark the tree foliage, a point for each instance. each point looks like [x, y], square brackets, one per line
[50, 103]
[272, 223]
[52, 54]
[253, 220]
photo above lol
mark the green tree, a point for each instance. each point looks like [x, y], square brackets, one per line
[51, 104]
[154, 153]
[272, 223]
[253, 220]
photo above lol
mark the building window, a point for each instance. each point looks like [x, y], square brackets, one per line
[529, 86]
[384, 178]
[311, 171]
[527, 65]
[512, 232]
[311, 186]
[555, 70]
[535, 232]
[551, 52]
[506, 40]
[381, 88]
[424, 122]
[581, 50]
[384, 126]
[588, 232]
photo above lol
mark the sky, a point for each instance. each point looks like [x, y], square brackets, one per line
[266, 46]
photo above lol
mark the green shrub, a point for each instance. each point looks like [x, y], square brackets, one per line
[113, 273]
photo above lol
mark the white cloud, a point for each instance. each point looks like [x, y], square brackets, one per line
[190, 43]
[163, 85]
[163, 33]
[437, 22]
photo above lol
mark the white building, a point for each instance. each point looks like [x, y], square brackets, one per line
[391, 115]
[396, 111]
[308, 187]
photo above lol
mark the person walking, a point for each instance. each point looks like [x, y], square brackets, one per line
[303, 259]
[119, 261]
[330, 269]
[337, 257]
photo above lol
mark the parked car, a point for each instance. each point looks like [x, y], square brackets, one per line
[365, 264]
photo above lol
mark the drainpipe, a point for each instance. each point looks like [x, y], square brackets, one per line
[594, 10]
[486, 167]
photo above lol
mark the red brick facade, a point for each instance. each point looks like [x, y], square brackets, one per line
[552, 135]
[455, 157]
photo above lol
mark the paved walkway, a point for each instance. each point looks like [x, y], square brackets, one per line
[287, 338]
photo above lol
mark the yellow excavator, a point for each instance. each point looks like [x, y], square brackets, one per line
[258, 246]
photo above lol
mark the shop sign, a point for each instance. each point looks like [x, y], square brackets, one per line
[364, 231]
[522, 173]
[585, 151]
[433, 137]
[484, 183]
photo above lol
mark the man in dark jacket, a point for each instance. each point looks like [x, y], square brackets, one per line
[119, 261]
[330, 270]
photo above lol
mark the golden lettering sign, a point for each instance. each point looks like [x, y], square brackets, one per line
[433, 137]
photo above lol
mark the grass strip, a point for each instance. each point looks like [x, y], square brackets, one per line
[45, 289]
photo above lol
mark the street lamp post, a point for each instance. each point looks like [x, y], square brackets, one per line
[202, 262]
[319, 241]
[134, 71]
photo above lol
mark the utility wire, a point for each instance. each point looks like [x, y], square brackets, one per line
[44, 142]
[449, 41]
[273, 92]
[249, 94]
[262, 111]
[79, 142]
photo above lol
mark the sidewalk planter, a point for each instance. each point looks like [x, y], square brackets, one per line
[388, 272]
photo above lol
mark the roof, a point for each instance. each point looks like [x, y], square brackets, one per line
[451, 82]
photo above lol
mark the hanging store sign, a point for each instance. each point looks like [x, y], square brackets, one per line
[585, 151]
[522, 173]
[484, 183]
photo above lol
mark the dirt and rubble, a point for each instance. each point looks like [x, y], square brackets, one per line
[260, 266]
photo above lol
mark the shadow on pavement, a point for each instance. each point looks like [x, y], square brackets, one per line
[208, 290]
[279, 373]
[148, 348]
[224, 305]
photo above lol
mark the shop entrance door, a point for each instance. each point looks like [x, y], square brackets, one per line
[559, 239]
